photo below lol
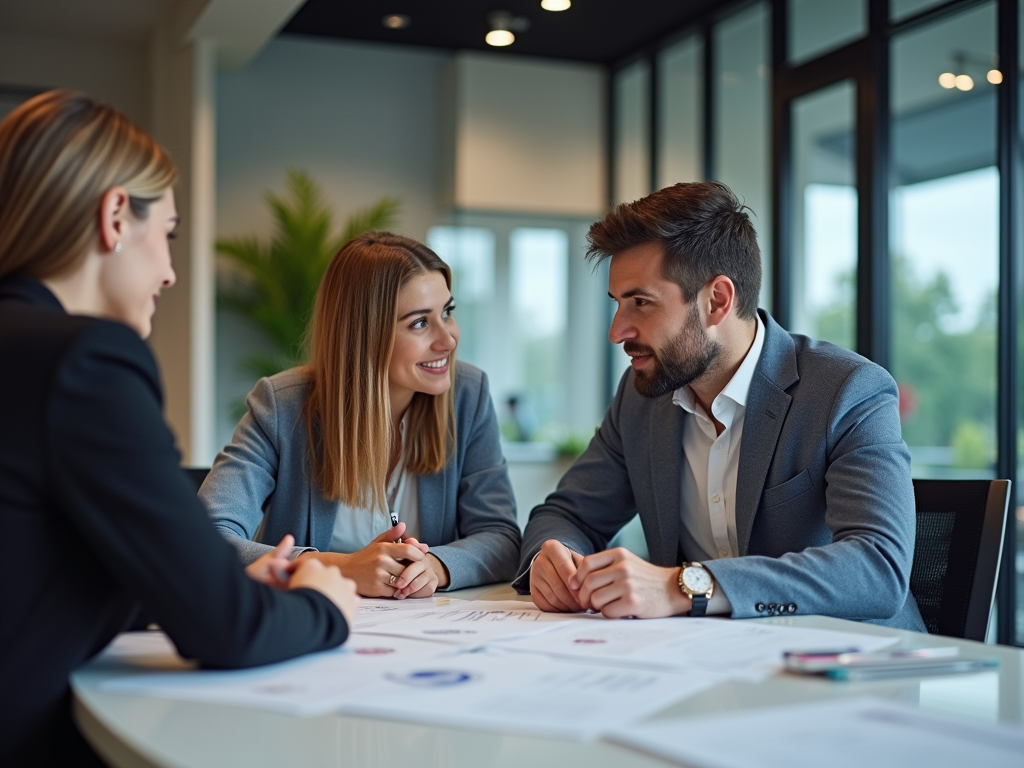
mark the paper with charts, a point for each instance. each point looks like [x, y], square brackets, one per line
[738, 650]
[509, 667]
[413, 680]
[842, 733]
[462, 622]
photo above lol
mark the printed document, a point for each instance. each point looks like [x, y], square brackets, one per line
[416, 681]
[467, 622]
[838, 733]
[739, 650]
[311, 685]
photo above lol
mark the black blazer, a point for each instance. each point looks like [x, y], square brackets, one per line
[97, 518]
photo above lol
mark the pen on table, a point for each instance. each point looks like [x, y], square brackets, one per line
[919, 669]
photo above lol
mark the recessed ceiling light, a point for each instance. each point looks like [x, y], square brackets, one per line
[947, 80]
[500, 38]
[503, 24]
[555, 5]
[994, 76]
[396, 21]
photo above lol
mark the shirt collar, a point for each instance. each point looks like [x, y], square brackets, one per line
[738, 387]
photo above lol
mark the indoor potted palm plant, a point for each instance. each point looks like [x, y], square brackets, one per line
[273, 283]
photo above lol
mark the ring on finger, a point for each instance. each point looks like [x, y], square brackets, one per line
[392, 579]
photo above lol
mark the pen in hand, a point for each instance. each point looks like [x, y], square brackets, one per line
[286, 553]
[394, 522]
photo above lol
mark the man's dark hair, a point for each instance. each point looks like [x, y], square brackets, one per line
[704, 230]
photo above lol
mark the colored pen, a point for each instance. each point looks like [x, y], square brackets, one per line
[918, 668]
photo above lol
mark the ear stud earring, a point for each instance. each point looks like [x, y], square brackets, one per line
[117, 247]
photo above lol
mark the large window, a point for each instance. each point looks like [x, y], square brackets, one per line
[824, 214]
[680, 112]
[742, 137]
[886, 119]
[817, 27]
[944, 244]
[528, 307]
[631, 176]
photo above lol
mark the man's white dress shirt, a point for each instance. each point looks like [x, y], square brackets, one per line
[711, 464]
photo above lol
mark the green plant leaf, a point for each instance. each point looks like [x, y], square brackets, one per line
[273, 283]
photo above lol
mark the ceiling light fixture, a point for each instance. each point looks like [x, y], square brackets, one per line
[503, 24]
[964, 82]
[499, 38]
[964, 60]
[396, 21]
[555, 5]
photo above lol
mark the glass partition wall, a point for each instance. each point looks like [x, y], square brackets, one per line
[879, 144]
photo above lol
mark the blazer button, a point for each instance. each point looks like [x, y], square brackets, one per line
[759, 607]
[792, 607]
[772, 607]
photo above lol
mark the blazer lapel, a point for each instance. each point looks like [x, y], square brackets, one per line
[431, 491]
[767, 406]
[665, 431]
[321, 518]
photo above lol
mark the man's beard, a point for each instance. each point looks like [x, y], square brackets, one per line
[684, 359]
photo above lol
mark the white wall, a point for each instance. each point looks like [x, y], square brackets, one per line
[117, 74]
[529, 135]
[361, 118]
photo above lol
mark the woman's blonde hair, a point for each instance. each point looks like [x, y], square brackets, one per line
[351, 339]
[59, 153]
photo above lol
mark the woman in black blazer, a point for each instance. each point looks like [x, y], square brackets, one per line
[97, 516]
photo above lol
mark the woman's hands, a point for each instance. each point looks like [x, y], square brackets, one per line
[383, 568]
[379, 566]
[276, 570]
[328, 581]
[421, 579]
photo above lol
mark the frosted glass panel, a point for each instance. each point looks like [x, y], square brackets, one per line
[632, 132]
[819, 26]
[742, 121]
[680, 112]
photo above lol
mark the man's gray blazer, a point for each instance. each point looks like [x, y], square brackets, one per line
[467, 511]
[824, 501]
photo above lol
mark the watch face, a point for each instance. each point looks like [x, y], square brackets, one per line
[697, 580]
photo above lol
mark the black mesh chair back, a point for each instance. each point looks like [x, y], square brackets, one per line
[956, 556]
[197, 475]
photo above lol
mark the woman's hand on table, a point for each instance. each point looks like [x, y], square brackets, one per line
[422, 578]
[328, 581]
[274, 568]
[376, 567]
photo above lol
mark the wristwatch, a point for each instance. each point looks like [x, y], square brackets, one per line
[696, 583]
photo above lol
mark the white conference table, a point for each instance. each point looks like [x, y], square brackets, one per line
[132, 731]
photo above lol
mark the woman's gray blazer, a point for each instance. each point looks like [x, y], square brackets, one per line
[467, 511]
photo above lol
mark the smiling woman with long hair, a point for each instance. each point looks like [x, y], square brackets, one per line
[380, 437]
[91, 494]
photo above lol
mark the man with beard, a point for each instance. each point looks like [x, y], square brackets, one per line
[767, 468]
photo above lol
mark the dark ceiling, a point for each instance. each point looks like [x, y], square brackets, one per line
[602, 31]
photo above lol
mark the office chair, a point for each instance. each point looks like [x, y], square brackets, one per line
[959, 539]
[197, 475]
